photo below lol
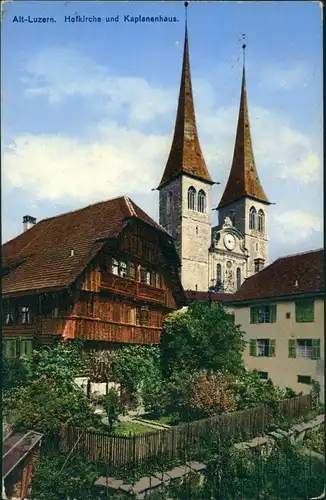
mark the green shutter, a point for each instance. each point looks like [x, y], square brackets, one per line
[316, 349]
[292, 348]
[273, 313]
[253, 315]
[26, 347]
[304, 311]
[271, 348]
[252, 347]
[10, 348]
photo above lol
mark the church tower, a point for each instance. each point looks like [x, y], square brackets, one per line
[185, 189]
[244, 200]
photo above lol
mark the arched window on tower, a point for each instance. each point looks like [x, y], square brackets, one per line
[169, 202]
[191, 198]
[252, 218]
[201, 201]
[261, 221]
[238, 278]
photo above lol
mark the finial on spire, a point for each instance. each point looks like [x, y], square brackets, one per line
[186, 10]
[244, 48]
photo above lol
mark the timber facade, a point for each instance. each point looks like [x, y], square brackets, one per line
[120, 296]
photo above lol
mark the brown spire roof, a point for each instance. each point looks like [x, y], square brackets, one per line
[243, 179]
[185, 155]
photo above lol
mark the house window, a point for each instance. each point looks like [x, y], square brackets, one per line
[25, 315]
[252, 218]
[263, 375]
[304, 348]
[142, 316]
[304, 379]
[232, 217]
[169, 202]
[304, 311]
[158, 280]
[238, 278]
[263, 314]
[8, 316]
[261, 221]
[146, 276]
[262, 347]
[115, 267]
[26, 347]
[123, 269]
[191, 198]
[132, 270]
[201, 201]
[10, 349]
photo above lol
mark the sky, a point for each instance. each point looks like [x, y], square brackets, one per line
[88, 109]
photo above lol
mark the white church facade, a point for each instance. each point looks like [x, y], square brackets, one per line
[221, 256]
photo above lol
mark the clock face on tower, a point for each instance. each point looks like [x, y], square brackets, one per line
[229, 241]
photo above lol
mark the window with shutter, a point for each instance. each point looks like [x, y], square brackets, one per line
[26, 347]
[304, 311]
[252, 347]
[263, 314]
[316, 349]
[10, 348]
[292, 348]
[272, 347]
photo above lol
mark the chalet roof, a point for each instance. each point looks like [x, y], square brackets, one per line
[15, 447]
[292, 275]
[243, 179]
[185, 155]
[41, 259]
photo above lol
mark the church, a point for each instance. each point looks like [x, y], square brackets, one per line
[213, 257]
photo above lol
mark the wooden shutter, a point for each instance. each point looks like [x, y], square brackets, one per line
[252, 347]
[273, 313]
[26, 347]
[304, 311]
[292, 348]
[253, 315]
[271, 348]
[315, 348]
[10, 348]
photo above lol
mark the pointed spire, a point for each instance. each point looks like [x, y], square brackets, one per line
[185, 154]
[243, 179]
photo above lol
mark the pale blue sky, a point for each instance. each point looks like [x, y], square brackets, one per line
[88, 109]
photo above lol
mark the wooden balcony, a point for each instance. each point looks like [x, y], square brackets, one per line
[132, 288]
[19, 329]
[93, 329]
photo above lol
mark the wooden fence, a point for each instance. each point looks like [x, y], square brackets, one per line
[179, 441]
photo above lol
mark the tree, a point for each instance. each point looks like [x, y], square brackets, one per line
[212, 395]
[112, 407]
[203, 337]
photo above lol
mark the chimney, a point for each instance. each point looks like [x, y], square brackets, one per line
[28, 222]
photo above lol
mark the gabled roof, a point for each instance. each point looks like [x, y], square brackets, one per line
[293, 275]
[185, 155]
[41, 257]
[243, 179]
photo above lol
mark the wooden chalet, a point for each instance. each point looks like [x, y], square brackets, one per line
[106, 274]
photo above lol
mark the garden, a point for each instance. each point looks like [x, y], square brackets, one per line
[197, 372]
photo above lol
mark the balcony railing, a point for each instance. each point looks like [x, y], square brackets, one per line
[132, 288]
[93, 329]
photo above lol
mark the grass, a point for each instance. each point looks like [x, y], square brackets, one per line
[127, 428]
[165, 419]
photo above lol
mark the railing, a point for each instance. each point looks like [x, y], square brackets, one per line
[20, 329]
[132, 288]
[93, 329]
[177, 442]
